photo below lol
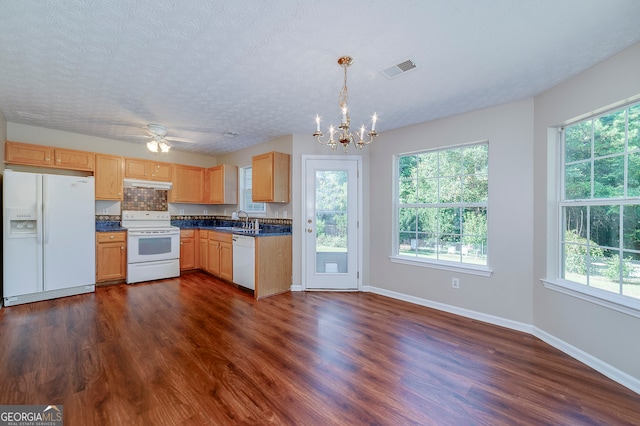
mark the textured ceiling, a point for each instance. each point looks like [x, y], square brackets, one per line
[264, 69]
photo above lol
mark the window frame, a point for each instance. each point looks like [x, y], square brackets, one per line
[556, 225]
[242, 205]
[397, 257]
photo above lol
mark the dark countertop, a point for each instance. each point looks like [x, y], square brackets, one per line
[109, 226]
[232, 227]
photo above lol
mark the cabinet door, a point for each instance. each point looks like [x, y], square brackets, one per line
[222, 185]
[213, 257]
[204, 246]
[270, 177]
[31, 155]
[187, 253]
[188, 184]
[262, 177]
[215, 185]
[136, 169]
[160, 171]
[226, 261]
[108, 177]
[72, 159]
[111, 256]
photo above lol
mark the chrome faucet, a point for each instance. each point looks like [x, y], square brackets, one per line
[246, 218]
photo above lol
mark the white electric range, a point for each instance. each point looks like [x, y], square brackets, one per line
[153, 245]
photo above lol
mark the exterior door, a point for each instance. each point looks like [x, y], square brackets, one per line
[331, 217]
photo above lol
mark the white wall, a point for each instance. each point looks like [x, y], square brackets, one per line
[507, 293]
[608, 335]
[3, 137]
[243, 157]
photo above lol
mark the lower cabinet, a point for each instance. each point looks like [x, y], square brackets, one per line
[203, 242]
[218, 256]
[111, 256]
[189, 249]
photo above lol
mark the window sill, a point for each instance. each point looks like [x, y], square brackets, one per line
[463, 268]
[604, 298]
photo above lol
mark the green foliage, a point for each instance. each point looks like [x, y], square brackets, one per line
[432, 186]
[575, 252]
[613, 268]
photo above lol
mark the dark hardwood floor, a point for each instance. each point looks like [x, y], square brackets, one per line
[197, 351]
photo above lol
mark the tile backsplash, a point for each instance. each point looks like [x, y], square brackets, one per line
[146, 199]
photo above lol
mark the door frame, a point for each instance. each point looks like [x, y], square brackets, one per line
[359, 212]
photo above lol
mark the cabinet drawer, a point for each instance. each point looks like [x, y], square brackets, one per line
[222, 237]
[109, 237]
[187, 233]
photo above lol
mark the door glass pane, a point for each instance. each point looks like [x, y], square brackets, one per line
[331, 221]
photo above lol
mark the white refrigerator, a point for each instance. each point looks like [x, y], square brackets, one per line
[48, 236]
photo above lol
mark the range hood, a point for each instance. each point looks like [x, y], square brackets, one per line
[139, 183]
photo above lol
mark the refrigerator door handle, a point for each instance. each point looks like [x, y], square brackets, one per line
[45, 193]
[39, 211]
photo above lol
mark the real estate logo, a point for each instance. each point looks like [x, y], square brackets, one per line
[31, 415]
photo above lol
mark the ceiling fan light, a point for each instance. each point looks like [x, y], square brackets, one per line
[152, 146]
[164, 147]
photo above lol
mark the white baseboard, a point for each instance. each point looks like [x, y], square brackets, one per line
[597, 364]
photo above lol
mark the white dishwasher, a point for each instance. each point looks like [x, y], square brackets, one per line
[244, 261]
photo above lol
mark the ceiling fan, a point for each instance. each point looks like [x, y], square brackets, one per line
[159, 140]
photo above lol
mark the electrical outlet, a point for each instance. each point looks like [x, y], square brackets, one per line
[455, 282]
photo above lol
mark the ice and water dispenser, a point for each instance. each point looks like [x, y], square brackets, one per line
[22, 223]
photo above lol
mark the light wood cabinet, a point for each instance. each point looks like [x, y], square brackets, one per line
[47, 156]
[221, 185]
[72, 159]
[136, 168]
[27, 154]
[273, 265]
[220, 255]
[188, 184]
[270, 177]
[188, 249]
[108, 177]
[111, 256]
[226, 261]
[204, 245]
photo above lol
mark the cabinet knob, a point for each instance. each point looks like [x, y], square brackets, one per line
[121, 247]
[58, 160]
[111, 236]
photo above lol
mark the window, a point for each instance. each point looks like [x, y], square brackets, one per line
[599, 205]
[246, 202]
[442, 205]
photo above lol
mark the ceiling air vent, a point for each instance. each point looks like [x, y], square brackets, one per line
[398, 69]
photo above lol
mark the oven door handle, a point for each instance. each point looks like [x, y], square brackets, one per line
[151, 233]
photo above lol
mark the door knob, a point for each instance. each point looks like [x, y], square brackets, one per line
[309, 230]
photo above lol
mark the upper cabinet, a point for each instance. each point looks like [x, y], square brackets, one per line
[188, 184]
[72, 159]
[135, 168]
[221, 185]
[47, 156]
[270, 177]
[108, 177]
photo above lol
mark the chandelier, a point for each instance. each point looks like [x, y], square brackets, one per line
[343, 134]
